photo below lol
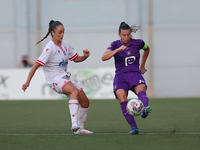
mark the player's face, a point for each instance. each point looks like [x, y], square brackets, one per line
[125, 36]
[58, 33]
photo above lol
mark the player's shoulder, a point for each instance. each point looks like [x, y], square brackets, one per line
[137, 41]
[49, 46]
[116, 42]
[65, 43]
[114, 45]
[50, 43]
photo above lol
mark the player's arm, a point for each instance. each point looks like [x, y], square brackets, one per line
[86, 54]
[144, 59]
[30, 75]
[109, 54]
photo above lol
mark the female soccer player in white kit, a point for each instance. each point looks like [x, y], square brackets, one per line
[54, 60]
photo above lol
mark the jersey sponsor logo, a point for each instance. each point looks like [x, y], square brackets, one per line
[47, 49]
[129, 60]
[63, 63]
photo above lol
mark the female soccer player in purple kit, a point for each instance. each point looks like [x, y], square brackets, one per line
[128, 74]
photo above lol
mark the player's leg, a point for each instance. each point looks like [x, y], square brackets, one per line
[72, 91]
[82, 113]
[121, 94]
[140, 91]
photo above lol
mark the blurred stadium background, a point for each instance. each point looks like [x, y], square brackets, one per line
[171, 28]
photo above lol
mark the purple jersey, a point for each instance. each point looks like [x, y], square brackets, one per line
[127, 60]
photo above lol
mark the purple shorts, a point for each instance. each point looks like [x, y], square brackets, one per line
[127, 80]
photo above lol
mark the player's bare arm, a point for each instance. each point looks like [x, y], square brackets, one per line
[109, 54]
[144, 58]
[86, 54]
[30, 76]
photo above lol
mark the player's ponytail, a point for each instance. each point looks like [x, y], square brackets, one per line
[134, 28]
[125, 26]
[52, 25]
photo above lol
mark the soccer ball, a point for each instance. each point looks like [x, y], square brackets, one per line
[135, 107]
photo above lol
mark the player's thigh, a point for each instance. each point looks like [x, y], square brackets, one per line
[140, 87]
[83, 100]
[70, 89]
[121, 95]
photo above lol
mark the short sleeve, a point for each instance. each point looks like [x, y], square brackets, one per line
[72, 53]
[145, 46]
[112, 46]
[43, 59]
[141, 44]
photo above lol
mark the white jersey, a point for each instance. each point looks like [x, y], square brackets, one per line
[54, 60]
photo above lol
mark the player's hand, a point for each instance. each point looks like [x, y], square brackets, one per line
[24, 86]
[86, 53]
[143, 69]
[122, 48]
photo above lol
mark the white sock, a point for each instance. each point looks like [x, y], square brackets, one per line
[82, 116]
[73, 109]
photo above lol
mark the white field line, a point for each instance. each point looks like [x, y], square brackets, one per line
[61, 134]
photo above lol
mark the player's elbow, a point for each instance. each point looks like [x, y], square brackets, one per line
[103, 58]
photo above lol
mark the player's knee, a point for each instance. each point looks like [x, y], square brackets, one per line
[122, 98]
[74, 93]
[85, 103]
[140, 87]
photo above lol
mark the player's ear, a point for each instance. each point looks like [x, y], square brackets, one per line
[52, 33]
[119, 35]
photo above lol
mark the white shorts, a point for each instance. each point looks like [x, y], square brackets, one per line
[60, 84]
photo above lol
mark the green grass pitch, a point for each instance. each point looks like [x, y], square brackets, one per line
[174, 124]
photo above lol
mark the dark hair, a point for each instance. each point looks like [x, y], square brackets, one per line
[52, 25]
[125, 26]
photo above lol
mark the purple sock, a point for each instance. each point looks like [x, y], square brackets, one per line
[143, 97]
[130, 119]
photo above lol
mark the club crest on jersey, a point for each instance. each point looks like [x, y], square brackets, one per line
[47, 49]
[59, 51]
[128, 53]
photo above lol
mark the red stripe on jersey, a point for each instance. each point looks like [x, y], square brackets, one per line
[40, 62]
[74, 57]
